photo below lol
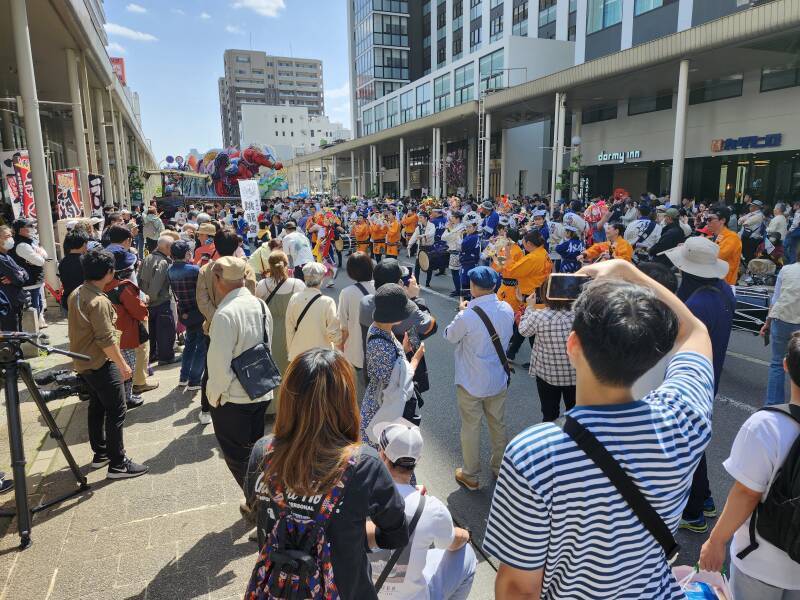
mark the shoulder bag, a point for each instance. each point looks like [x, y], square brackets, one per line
[274, 291]
[255, 368]
[603, 459]
[305, 310]
[361, 287]
[496, 342]
[396, 554]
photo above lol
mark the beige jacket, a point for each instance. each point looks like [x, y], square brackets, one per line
[320, 327]
[207, 297]
[238, 325]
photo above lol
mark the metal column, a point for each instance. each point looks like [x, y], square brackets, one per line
[575, 184]
[87, 106]
[555, 151]
[353, 183]
[105, 167]
[562, 120]
[78, 129]
[487, 158]
[373, 160]
[33, 133]
[119, 196]
[402, 191]
[123, 144]
[679, 145]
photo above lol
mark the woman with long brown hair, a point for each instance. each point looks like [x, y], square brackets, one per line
[314, 460]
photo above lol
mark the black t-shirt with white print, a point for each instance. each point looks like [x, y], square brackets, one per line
[370, 492]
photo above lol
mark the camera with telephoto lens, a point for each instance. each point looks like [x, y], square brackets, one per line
[68, 383]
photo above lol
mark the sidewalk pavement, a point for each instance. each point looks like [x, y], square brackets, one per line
[173, 533]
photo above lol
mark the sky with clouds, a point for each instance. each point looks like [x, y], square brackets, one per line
[173, 57]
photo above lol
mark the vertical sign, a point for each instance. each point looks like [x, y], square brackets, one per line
[118, 66]
[96, 193]
[251, 203]
[68, 197]
[15, 168]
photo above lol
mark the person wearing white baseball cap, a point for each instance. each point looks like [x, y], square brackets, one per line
[438, 562]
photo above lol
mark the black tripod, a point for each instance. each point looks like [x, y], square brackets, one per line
[11, 367]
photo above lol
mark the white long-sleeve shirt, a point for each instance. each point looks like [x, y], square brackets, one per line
[237, 326]
[320, 327]
[298, 249]
[28, 253]
[424, 236]
[453, 237]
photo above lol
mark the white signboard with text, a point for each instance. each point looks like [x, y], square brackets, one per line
[251, 203]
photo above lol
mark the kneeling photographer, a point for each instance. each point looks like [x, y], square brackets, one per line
[92, 332]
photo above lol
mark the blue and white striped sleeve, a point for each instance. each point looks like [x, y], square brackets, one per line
[689, 382]
[518, 529]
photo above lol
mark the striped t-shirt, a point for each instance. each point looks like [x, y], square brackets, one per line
[554, 509]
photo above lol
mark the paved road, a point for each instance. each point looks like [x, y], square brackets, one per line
[741, 392]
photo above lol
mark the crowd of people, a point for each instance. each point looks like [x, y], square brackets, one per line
[635, 360]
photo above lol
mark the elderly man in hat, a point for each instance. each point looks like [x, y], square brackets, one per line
[751, 229]
[671, 235]
[239, 324]
[481, 332]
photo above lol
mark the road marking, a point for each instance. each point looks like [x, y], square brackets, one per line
[435, 293]
[757, 361]
[736, 404]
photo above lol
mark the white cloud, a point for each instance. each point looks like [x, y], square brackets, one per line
[265, 8]
[177, 11]
[135, 8]
[205, 15]
[234, 29]
[341, 92]
[115, 48]
[337, 104]
[131, 34]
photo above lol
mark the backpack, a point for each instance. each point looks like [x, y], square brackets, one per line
[777, 518]
[295, 562]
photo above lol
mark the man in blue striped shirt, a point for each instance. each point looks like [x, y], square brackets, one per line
[558, 525]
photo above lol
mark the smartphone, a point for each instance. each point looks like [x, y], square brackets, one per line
[565, 286]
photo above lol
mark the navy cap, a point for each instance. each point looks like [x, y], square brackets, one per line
[123, 259]
[484, 277]
[179, 249]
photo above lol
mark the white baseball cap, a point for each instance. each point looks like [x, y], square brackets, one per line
[401, 442]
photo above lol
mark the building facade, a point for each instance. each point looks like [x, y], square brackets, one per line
[289, 131]
[682, 97]
[253, 77]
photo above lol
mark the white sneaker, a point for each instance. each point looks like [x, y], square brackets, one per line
[204, 418]
[183, 383]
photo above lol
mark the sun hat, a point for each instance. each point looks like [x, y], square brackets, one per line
[233, 268]
[698, 256]
[207, 229]
[401, 442]
[391, 304]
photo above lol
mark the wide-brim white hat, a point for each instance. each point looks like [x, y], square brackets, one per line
[698, 256]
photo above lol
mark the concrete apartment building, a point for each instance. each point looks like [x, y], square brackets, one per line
[700, 97]
[289, 131]
[62, 103]
[254, 77]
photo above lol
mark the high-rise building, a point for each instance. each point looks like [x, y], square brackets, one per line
[254, 77]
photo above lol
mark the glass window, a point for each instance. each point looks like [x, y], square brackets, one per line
[464, 79]
[547, 12]
[602, 14]
[647, 104]
[367, 120]
[380, 117]
[423, 100]
[778, 78]
[491, 71]
[407, 107]
[441, 93]
[595, 114]
[716, 89]
[393, 112]
[475, 35]
[519, 19]
[643, 6]
[573, 5]
[496, 27]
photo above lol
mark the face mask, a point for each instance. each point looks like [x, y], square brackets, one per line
[8, 244]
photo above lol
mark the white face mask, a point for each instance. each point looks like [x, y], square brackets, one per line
[8, 244]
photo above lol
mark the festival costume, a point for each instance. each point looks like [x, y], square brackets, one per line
[525, 275]
[409, 223]
[361, 233]
[569, 250]
[730, 250]
[469, 256]
[393, 239]
[377, 231]
[508, 286]
[619, 249]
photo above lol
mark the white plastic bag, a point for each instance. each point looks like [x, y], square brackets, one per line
[393, 397]
[686, 575]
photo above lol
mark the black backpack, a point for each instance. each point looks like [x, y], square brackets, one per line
[777, 518]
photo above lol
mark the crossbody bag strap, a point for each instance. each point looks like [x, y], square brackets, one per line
[629, 491]
[360, 286]
[305, 310]
[396, 554]
[498, 347]
[275, 291]
[264, 322]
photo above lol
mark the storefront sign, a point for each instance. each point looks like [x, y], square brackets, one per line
[17, 181]
[68, 196]
[96, 193]
[251, 203]
[619, 157]
[771, 140]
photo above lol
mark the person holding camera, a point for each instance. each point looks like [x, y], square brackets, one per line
[91, 327]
